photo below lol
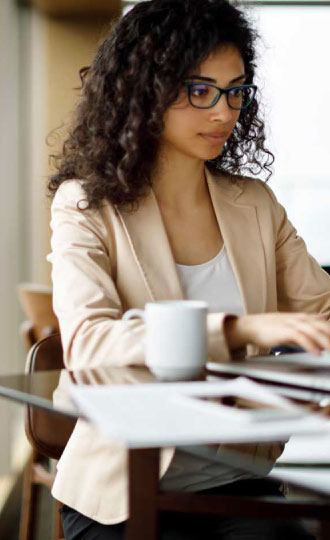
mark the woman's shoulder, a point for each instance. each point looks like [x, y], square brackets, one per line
[245, 189]
[256, 189]
[70, 205]
[71, 192]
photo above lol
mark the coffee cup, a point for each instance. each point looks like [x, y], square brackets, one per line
[176, 337]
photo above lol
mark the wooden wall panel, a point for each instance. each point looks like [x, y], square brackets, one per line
[67, 8]
[59, 47]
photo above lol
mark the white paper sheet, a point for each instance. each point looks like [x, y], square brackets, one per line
[167, 414]
[309, 478]
[304, 450]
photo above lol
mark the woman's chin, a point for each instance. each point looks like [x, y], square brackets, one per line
[205, 155]
[211, 155]
[215, 154]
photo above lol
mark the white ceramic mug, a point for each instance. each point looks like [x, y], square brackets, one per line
[176, 338]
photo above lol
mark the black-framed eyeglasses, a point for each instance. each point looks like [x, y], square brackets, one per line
[206, 95]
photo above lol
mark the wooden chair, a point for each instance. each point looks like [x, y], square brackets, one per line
[48, 436]
[36, 302]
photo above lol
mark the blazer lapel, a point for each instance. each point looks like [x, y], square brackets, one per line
[239, 226]
[152, 251]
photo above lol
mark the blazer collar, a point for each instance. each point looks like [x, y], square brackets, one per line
[149, 242]
[242, 237]
[239, 226]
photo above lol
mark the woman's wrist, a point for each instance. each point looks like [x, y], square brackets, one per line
[239, 331]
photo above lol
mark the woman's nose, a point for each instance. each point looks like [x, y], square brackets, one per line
[222, 111]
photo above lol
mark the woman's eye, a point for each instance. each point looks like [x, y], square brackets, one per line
[237, 93]
[199, 90]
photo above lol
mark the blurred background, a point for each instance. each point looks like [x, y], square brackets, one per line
[43, 44]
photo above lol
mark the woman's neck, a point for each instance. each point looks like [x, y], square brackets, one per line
[179, 181]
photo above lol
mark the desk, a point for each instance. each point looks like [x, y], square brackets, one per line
[144, 499]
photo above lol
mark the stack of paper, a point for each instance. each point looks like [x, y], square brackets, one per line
[171, 414]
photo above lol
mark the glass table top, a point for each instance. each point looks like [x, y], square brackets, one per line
[50, 391]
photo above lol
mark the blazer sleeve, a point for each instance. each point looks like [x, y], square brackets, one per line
[302, 285]
[85, 297]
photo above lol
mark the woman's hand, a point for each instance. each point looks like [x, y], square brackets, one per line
[266, 330]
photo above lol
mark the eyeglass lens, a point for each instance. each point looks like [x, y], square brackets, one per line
[205, 96]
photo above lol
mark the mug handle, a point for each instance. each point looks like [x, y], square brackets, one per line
[139, 313]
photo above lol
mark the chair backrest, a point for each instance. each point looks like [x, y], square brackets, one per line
[47, 433]
[36, 302]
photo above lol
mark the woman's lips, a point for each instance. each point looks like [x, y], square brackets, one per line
[214, 138]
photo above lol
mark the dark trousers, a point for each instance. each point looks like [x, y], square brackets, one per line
[179, 526]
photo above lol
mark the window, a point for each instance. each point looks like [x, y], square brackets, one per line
[295, 81]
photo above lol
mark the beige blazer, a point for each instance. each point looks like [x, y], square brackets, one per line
[108, 261]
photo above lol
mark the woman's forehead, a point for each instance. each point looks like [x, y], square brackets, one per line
[225, 61]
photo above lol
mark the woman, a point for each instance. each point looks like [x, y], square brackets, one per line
[151, 204]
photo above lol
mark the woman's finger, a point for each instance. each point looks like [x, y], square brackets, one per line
[305, 341]
[316, 332]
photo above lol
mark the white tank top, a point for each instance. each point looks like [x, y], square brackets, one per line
[215, 283]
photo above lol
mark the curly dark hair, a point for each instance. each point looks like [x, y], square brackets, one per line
[136, 74]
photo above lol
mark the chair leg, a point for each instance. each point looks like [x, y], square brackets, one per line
[58, 530]
[29, 501]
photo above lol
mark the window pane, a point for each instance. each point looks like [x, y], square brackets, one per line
[294, 77]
